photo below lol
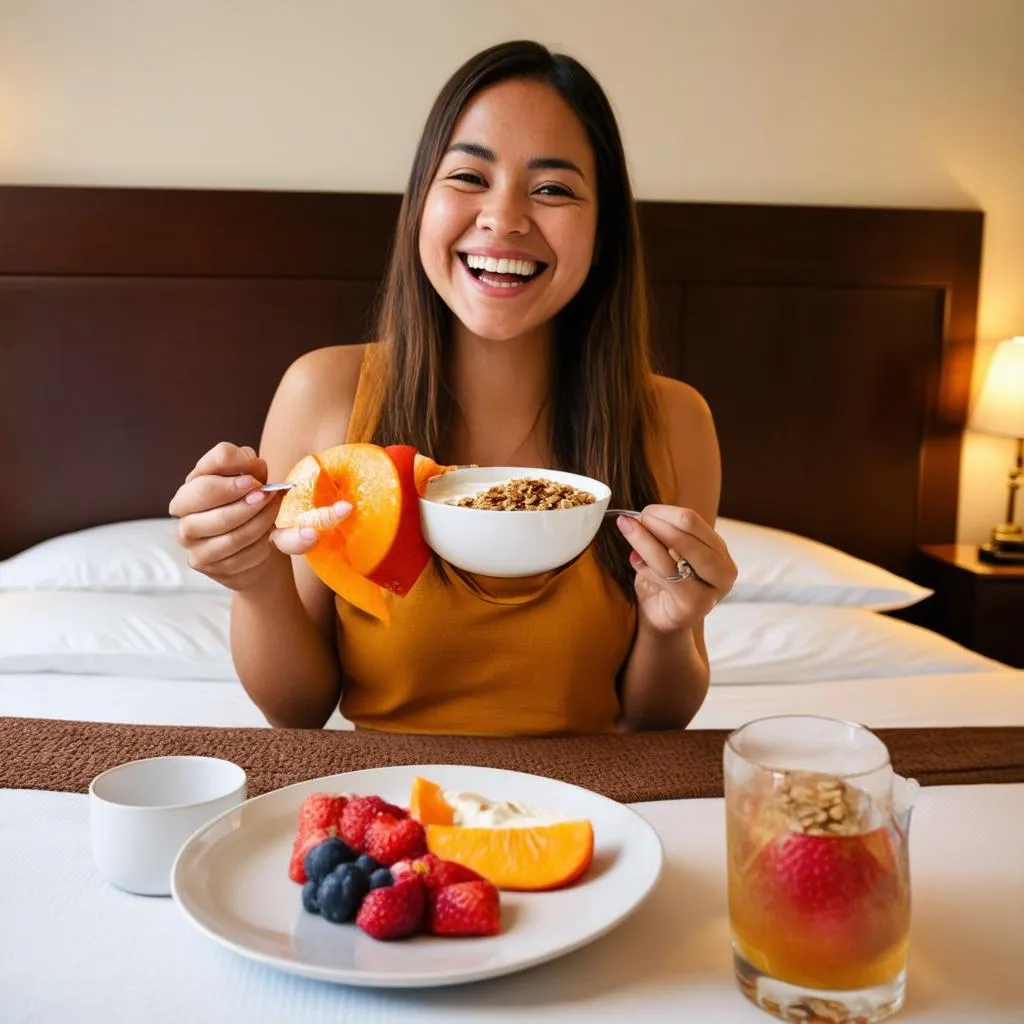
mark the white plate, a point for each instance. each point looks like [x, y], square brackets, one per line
[231, 881]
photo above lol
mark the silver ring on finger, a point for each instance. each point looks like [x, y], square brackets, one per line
[684, 572]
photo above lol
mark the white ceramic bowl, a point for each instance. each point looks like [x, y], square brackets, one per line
[141, 813]
[508, 544]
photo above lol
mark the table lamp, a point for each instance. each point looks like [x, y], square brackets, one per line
[1000, 410]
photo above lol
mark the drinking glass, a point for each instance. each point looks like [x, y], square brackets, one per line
[819, 886]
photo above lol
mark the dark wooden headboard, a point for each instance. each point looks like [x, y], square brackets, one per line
[140, 326]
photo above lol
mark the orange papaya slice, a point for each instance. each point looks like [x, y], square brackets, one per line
[379, 545]
[424, 470]
[364, 476]
[408, 555]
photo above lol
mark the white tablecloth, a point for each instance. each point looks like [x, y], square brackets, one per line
[74, 949]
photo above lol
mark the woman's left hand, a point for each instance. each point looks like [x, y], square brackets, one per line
[665, 541]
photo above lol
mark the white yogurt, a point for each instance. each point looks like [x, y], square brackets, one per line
[474, 811]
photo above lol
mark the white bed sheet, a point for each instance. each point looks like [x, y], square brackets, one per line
[98, 698]
[950, 699]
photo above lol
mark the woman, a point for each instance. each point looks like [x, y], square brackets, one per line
[538, 361]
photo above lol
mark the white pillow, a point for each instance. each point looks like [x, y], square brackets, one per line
[793, 643]
[176, 636]
[140, 556]
[775, 565]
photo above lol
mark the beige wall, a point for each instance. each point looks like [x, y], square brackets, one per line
[883, 102]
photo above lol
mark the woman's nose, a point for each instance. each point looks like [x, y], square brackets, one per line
[503, 212]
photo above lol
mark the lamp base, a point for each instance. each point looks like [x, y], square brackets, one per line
[1008, 536]
[1002, 553]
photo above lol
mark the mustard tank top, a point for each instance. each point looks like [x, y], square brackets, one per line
[480, 655]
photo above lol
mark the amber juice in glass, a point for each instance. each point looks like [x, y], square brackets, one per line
[819, 888]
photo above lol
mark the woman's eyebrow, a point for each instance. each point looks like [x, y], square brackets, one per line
[473, 149]
[555, 163]
[539, 163]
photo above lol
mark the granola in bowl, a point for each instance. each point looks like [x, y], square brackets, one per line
[526, 494]
[520, 544]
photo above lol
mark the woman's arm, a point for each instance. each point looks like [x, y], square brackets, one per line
[665, 679]
[282, 652]
[283, 638]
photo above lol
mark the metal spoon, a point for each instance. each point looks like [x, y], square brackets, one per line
[284, 486]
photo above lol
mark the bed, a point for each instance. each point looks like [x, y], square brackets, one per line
[139, 326]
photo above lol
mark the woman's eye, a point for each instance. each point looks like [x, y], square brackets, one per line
[467, 176]
[555, 190]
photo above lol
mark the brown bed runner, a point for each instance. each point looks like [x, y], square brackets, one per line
[59, 755]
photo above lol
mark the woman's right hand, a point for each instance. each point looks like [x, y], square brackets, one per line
[226, 524]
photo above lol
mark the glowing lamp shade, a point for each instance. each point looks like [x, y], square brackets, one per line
[1000, 406]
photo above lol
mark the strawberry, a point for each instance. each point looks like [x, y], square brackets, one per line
[359, 812]
[823, 880]
[304, 842]
[394, 912]
[389, 839]
[435, 872]
[465, 908]
[321, 810]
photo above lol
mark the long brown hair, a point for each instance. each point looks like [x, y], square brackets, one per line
[603, 405]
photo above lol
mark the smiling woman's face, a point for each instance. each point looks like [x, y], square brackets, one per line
[508, 229]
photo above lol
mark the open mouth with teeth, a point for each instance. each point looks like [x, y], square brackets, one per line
[501, 273]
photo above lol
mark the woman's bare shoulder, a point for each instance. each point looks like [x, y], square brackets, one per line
[680, 405]
[692, 442]
[324, 375]
[313, 404]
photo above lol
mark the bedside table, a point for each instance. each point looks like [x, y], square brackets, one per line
[977, 604]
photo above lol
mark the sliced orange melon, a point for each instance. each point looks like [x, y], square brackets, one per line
[379, 545]
[424, 470]
[532, 858]
[408, 555]
[366, 477]
[357, 590]
[428, 805]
